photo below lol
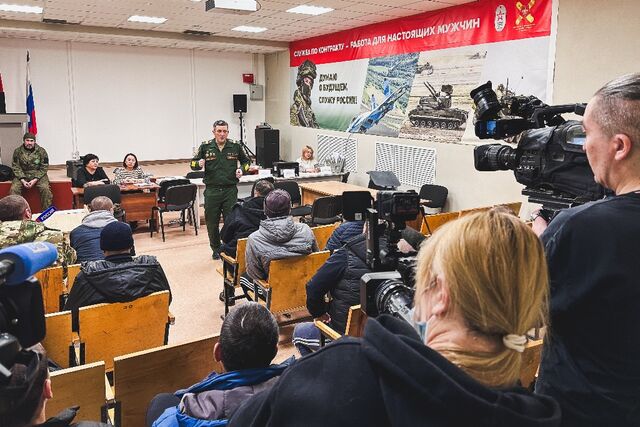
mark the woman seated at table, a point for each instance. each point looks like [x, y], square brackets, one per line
[307, 161]
[130, 172]
[91, 173]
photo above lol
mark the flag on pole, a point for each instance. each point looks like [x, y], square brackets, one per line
[3, 105]
[31, 108]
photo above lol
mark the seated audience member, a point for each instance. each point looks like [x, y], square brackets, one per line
[307, 161]
[130, 172]
[244, 218]
[248, 343]
[30, 165]
[24, 395]
[90, 174]
[119, 277]
[340, 277]
[17, 227]
[343, 233]
[481, 284]
[85, 238]
[277, 237]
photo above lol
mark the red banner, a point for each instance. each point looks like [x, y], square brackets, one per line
[486, 21]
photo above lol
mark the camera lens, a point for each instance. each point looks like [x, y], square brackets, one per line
[393, 297]
[486, 101]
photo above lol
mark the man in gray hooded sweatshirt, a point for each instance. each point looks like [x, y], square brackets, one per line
[278, 237]
[85, 238]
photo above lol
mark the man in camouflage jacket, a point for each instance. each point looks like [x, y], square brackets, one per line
[30, 164]
[16, 227]
[301, 113]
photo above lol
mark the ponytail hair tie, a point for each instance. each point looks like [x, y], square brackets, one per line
[515, 342]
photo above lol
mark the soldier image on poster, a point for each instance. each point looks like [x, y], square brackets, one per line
[301, 112]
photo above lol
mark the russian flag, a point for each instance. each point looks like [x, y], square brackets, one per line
[31, 108]
[3, 105]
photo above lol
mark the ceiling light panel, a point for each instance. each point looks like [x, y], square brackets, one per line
[248, 29]
[147, 19]
[4, 7]
[306, 9]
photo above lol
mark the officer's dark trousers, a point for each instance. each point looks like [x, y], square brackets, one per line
[217, 201]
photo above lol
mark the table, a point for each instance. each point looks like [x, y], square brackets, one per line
[64, 220]
[246, 184]
[136, 200]
[314, 190]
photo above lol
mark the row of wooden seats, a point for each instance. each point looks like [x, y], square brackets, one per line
[137, 378]
[108, 330]
[432, 222]
[282, 291]
[56, 282]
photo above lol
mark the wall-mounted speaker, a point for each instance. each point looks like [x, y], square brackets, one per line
[239, 103]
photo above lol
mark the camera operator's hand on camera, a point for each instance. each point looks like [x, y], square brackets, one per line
[539, 224]
[324, 318]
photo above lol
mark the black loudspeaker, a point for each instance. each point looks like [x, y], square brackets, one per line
[239, 103]
[267, 147]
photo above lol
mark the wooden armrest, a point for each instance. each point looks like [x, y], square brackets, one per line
[262, 283]
[326, 330]
[228, 259]
[108, 390]
[171, 319]
[75, 338]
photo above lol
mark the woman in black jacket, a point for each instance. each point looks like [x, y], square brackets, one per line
[481, 283]
[90, 173]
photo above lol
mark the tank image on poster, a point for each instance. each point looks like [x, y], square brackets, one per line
[439, 107]
[385, 95]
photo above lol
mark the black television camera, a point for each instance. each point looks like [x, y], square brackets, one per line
[548, 159]
[389, 289]
[22, 320]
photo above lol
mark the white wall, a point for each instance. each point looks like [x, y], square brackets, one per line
[110, 100]
[596, 41]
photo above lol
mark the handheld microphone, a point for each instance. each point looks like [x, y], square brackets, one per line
[19, 262]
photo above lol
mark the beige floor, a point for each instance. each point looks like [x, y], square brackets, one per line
[186, 260]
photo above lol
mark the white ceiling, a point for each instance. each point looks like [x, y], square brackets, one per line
[105, 21]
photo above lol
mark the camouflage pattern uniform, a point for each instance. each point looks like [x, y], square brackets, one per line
[301, 113]
[26, 231]
[29, 164]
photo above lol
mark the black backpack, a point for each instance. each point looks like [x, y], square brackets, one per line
[6, 173]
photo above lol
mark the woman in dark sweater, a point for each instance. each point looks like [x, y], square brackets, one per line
[91, 173]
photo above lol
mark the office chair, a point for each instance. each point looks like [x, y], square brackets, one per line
[111, 191]
[437, 196]
[293, 189]
[178, 198]
[325, 210]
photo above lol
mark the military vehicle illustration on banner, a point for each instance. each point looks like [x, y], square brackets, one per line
[366, 120]
[435, 111]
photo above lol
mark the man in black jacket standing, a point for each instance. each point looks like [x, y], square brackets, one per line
[119, 277]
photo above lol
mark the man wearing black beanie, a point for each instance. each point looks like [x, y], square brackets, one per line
[119, 277]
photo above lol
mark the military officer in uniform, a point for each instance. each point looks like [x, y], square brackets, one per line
[301, 113]
[30, 164]
[219, 157]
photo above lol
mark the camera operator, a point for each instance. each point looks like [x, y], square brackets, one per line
[590, 363]
[340, 276]
[481, 283]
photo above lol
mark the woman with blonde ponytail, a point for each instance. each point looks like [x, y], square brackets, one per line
[481, 283]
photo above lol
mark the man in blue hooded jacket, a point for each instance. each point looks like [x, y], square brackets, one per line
[248, 343]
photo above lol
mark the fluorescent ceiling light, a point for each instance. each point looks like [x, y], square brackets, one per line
[306, 9]
[147, 19]
[248, 29]
[20, 8]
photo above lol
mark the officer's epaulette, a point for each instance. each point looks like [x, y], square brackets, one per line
[207, 142]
